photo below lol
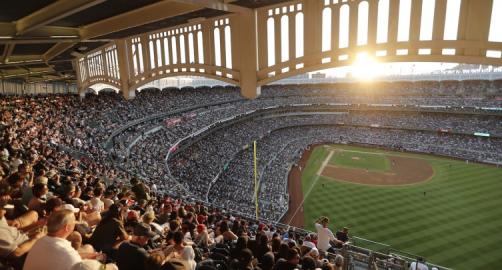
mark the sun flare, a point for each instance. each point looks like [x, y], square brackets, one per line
[364, 67]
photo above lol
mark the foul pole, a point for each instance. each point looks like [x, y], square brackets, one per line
[255, 179]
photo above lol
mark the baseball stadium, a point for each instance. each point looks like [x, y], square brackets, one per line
[251, 134]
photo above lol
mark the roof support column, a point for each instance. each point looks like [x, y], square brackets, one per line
[78, 71]
[123, 65]
[312, 31]
[474, 25]
[244, 38]
[439, 24]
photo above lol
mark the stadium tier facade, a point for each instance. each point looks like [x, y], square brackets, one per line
[254, 47]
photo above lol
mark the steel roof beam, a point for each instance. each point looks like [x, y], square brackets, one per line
[138, 17]
[223, 5]
[51, 13]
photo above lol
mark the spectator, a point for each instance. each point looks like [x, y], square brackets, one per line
[139, 189]
[175, 250]
[202, 239]
[92, 212]
[225, 233]
[262, 247]
[338, 263]
[188, 255]
[54, 252]
[86, 251]
[110, 231]
[308, 263]
[14, 243]
[68, 193]
[240, 245]
[267, 261]
[314, 254]
[343, 236]
[88, 264]
[245, 260]
[290, 263]
[419, 265]
[131, 255]
[308, 242]
[324, 235]
[37, 202]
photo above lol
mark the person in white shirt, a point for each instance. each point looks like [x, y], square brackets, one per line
[324, 235]
[54, 252]
[13, 242]
[419, 265]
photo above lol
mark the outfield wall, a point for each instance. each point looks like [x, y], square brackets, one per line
[367, 145]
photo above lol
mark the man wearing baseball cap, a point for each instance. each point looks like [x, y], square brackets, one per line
[131, 255]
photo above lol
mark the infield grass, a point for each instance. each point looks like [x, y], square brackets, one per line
[358, 160]
[456, 224]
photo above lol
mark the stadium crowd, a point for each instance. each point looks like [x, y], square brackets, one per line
[216, 152]
[59, 180]
[58, 213]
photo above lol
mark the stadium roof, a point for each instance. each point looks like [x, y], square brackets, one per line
[38, 39]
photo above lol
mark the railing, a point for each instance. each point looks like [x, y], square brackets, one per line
[142, 136]
[413, 257]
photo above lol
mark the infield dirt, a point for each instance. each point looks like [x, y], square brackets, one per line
[403, 171]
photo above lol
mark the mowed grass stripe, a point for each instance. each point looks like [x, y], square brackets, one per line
[477, 199]
[384, 201]
[400, 216]
[410, 234]
[424, 219]
[463, 242]
[380, 204]
[455, 208]
[485, 256]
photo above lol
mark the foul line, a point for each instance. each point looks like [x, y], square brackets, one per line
[318, 174]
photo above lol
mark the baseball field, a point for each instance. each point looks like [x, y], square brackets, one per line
[446, 210]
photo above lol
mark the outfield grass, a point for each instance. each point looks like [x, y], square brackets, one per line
[366, 161]
[458, 223]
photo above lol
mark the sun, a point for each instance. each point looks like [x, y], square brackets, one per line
[364, 68]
